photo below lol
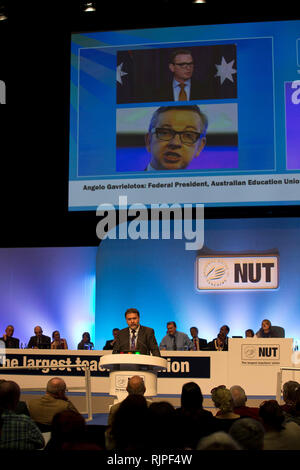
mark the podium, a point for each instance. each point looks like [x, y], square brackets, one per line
[123, 366]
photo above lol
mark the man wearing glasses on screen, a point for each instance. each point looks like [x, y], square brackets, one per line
[181, 65]
[176, 136]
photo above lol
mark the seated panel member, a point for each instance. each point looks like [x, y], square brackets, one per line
[198, 343]
[58, 342]
[175, 340]
[86, 342]
[136, 337]
[217, 344]
[266, 330]
[249, 333]
[39, 341]
[176, 136]
[110, 342]
[8, 339]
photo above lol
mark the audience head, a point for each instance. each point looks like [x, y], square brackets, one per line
[68, 424]
[130, 423]
[222, 399]
[295, 410]
[9, 395]
[271, 415]
[56, 387]
[191, 396]
[136, 385]
[248, 433]
[218, 441]
[249, 333]
[171, 328]
[162, 432]
[289, 391]
[238, 396]
[67, 431]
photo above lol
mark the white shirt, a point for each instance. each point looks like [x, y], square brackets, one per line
[136, 335]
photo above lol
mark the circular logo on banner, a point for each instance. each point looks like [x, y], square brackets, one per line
[216, 273]
[121, 381]
[250, 352]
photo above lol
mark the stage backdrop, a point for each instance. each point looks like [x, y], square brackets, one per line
[88, 289]
[158, 278]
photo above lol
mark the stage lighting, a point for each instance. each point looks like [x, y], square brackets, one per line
[3, 11]
[88, 7]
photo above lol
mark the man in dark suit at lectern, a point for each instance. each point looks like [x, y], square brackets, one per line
[136, 337]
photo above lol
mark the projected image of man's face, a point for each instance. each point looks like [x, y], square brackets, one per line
[177, 152]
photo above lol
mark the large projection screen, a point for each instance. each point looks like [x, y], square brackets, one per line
[243, 78]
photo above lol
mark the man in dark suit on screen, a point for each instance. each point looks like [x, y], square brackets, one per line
[183, 86]
[136, 337]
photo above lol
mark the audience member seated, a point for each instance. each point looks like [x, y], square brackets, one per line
[193, 421]
[266, 330]
[289, 390]
[217, 344]
[21, 408]
[85, 343]
[222, 400]
[249, 333]
[175, 340]
[130, 424]
[17, 431]
[58, 342]
[135, 386]
[39, 341]
[293, 414]
[198, 343]
[110, 342]
[239, 403]
[7, 338]
[218, 441]
[163, 427]
[278, 434]
[69, 432]
[54, 401]
[248, 433]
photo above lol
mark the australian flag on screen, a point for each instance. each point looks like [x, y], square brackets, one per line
[145, 75]
[126, 87]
